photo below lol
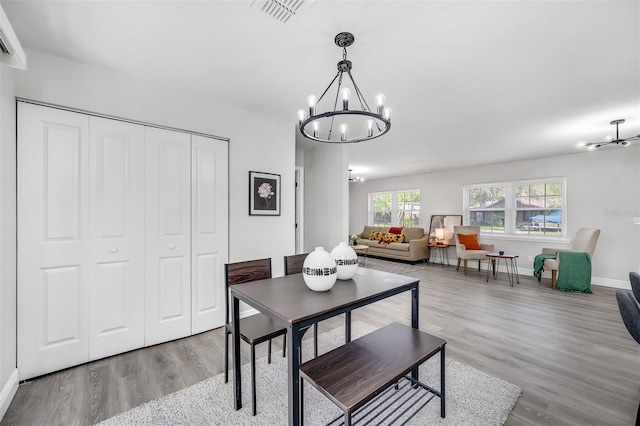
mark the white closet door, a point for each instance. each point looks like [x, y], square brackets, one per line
[53, 239]
[168, 235]
[209, 234]
[116, 214]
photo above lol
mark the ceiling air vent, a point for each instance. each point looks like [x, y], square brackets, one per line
[281, 10]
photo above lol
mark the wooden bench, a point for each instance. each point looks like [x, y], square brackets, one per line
[354, 374]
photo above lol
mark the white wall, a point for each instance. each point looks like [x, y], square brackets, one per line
[8, 372]
[257, 143]
[326, 196]
[603, 191]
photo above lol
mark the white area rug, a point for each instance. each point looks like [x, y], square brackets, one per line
[472, 397]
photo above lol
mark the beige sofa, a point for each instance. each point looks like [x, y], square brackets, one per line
[414, 249]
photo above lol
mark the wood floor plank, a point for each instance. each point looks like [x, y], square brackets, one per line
[570, 353]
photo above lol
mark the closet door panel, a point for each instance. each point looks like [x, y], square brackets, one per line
[209, 238]
[168, 235]
[116, 201]
[53, 239]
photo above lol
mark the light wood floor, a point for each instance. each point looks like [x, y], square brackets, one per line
[570, 353]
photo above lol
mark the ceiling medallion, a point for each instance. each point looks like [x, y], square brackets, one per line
[352, 125]
[611, 139]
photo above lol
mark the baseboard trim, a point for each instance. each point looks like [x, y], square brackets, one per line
[604, 282]
[8, 392]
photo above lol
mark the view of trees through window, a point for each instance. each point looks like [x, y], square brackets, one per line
[521, 207]
[487, 206]
[539, 208]
[398, 208]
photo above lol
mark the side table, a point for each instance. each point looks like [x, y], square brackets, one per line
[510, 262]
[361, 250]
[440, 251]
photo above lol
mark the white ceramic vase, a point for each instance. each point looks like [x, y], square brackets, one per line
[346, 261]
[319, 270]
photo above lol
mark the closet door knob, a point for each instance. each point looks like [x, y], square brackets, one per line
[114, 250]
[172, 246]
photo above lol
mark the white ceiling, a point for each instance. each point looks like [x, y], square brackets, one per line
[469, 82]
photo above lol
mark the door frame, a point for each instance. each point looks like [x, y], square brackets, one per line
[299, 210]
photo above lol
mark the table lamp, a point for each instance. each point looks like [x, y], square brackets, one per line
[440, 235]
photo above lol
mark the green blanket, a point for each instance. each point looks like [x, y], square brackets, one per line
[574, 272]
[538, 264]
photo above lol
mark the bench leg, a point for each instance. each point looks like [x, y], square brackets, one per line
[442, 389]
[347, 419]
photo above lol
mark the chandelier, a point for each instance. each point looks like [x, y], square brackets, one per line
[611, 140]
[354, 179]
[351, 125]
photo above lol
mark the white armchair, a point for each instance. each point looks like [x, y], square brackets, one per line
[584, 241]
[465, 254]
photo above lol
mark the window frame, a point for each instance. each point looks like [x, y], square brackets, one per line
[394, 206]
[511, 210]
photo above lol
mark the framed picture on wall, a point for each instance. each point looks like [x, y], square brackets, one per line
[264, 194]
[441, 227]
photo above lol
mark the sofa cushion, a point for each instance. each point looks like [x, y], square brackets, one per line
[376, 236]
[412, 233]
[368, 229]
[398, 246]
[393, 238]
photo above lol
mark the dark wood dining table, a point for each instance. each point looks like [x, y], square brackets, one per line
[288, 301]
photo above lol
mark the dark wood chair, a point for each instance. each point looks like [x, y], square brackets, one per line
[293, 265]
[254, 329]
[630, 313]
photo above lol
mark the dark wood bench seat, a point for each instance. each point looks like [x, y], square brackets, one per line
[354, 374]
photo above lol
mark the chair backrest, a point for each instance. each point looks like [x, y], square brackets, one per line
[465, 230]
[634, 278]
[293, 263]
[585, 240]
[630, 313]
[244, 272]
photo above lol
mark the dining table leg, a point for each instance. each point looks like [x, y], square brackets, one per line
[347, 327]
[415, 320]
[294, 348]
[237, 377]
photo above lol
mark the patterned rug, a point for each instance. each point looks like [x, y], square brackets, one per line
[472, 397]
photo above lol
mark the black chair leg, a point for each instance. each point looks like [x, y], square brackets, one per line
[284, 345]
[253, 380]
[226, 356]
[269, 353]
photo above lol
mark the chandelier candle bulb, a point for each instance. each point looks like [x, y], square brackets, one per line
[369, 128]
[387, 113]
[380, 103]
[346, 93]
[312, 101]
[316, 129]
[301, 115]
[343, 132]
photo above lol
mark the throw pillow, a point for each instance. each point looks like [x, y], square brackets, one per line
[376, 236]
[470, 241]
[395, 230]
[393, 238]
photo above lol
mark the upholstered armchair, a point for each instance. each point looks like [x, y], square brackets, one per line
[584, 241]
[470, 251]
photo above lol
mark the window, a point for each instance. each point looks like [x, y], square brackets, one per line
[532, 208]
[397, 208]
